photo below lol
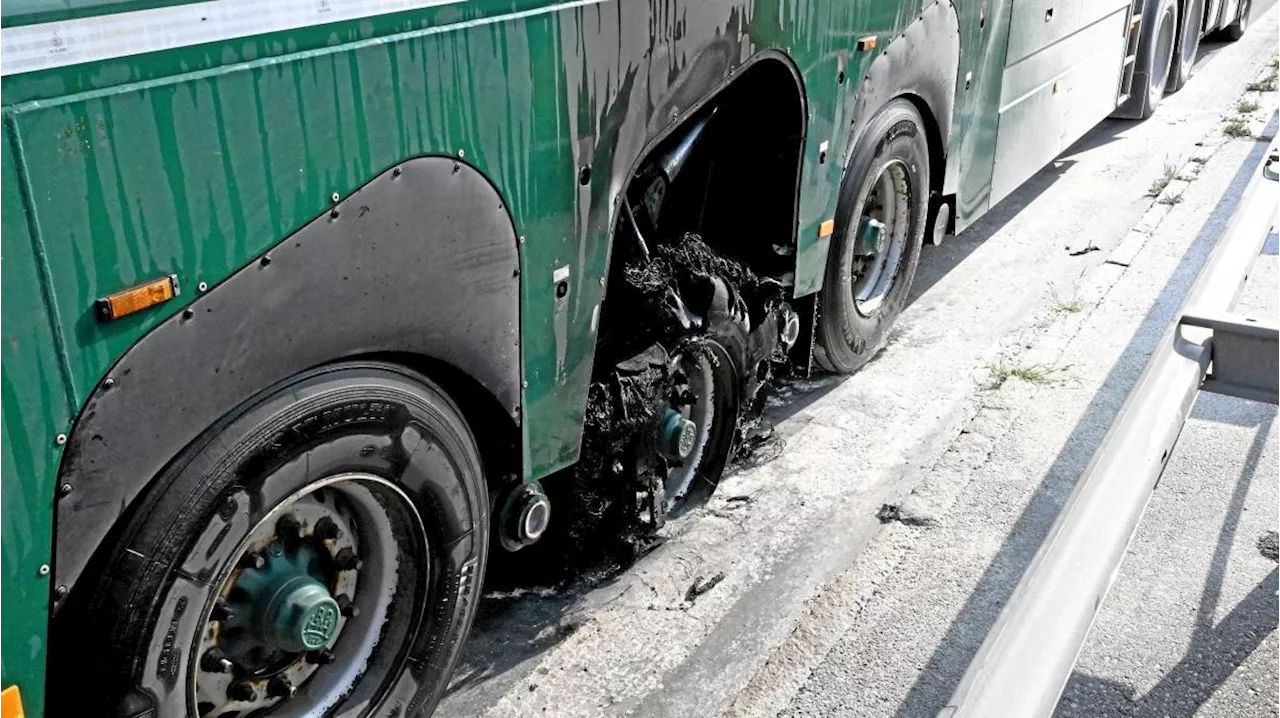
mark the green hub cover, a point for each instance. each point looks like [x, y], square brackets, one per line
[871, 237]
[292, 608]
[301, 615]
[678, 435]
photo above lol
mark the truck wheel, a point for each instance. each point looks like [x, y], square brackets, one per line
[1188, 45]
[319, 553]
[880, 222]
[1237, 28]
[1156, 60]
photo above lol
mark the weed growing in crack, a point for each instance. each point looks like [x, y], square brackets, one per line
[1235, 128]
[1170, 199]
[1030, 373]
[1246, 106]
[1167, 175]
[1072, 305]
[1266, 84]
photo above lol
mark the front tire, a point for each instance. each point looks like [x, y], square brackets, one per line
[880, 224]
[319, 552]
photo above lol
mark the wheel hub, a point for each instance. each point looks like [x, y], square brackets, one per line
[294, 609]
[298, 599]
[678, 436]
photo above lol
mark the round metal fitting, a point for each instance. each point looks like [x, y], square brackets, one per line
[524, 516]
[678, 435]
[60, 439]
[788, 326]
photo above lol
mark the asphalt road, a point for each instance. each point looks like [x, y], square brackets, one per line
[823, 610]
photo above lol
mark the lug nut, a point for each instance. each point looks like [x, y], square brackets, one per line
[349, 609]
[242, 691]
[220, 611]
[325, 529]
[287, 526]
[280, 687]
[322, 657]
[252, 560]
[215, 661]
[346, 559]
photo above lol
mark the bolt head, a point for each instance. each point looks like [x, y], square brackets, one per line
[242, 691]
[335, 196]
[325, 529]
[64, 490]
[252, 560]
[214, 661]
[60, 439]
[322, 657]
[43, 570]
[281, 687]
[346, 560]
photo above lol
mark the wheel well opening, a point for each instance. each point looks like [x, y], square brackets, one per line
[730, 172]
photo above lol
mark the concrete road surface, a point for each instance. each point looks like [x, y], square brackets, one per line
[1022, 339]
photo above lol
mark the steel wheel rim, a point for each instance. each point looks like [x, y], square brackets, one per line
[375, 519]
[697, 367]
[888, 201]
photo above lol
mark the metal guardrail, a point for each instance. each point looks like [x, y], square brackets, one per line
[1024, 663]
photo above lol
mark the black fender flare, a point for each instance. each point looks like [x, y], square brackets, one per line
[422, 260]
[922, 64]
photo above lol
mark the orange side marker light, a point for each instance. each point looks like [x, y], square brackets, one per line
[135, 299]
[11, 703]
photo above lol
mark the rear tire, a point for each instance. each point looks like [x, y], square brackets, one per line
[1237, 28]
[1162, 56]
[378, 448]
[1188, 45]
[889, 166]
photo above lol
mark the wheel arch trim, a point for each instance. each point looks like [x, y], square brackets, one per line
[421, 261]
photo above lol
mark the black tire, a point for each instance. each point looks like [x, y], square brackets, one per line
[894, 140]
[1237, 28]
[1184, 59]
[1161, 56]
[355, 419]
[1156, 53]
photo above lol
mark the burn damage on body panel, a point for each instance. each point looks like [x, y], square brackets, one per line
[694, 326]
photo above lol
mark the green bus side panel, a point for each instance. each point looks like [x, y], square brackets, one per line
[33, 411]
[197, 173]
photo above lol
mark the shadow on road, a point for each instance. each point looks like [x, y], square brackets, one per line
[1214, 650]
[938, 679]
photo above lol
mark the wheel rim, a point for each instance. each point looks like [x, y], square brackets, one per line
[299, 621]
[1165, 35]
[876, 262]
[696, 398]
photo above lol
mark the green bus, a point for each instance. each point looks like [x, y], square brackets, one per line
[311, 306]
